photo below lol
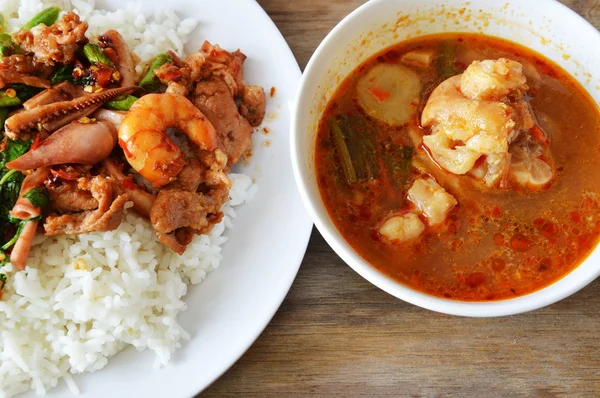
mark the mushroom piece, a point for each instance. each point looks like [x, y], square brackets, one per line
[390, 93]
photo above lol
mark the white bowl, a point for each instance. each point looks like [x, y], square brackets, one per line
[542, 25]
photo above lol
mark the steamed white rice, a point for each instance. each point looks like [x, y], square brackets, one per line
[82, 299]
[146, 35]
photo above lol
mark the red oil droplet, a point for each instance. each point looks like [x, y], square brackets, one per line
[539, 223]
[499, 239]
[549, 230]
[519, 243]
[498, 264]
[575, 217]
[475, 279]
[496, 212]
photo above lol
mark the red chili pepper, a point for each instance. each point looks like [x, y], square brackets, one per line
[496, 212]
[539, 135]
[36, 142]
[172, 75]
[379, 94]
[129, 184]
[103, 76]
[64, 175]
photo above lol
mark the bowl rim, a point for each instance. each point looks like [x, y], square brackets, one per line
[529, 302]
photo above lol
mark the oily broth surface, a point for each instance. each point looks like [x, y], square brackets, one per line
[495, 244]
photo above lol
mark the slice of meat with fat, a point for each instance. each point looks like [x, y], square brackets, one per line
[234, 132]
[253, 105]
[56, 43]
[106, 217]
[177, 215]
[66, 197]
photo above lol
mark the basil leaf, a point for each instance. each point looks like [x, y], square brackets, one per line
[38, 197]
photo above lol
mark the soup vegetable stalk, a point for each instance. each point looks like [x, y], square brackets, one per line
[446, 61]
[397, 159]
[361, 148]
[342, 150]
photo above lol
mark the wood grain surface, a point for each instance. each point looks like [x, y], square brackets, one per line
[336, 334]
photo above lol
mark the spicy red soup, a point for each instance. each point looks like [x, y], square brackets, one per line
[463, 166]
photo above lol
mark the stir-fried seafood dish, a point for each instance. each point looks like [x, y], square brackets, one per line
[84, 135]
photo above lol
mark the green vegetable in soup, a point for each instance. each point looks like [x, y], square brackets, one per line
[342, 150]
[360, 145]
[446, 61]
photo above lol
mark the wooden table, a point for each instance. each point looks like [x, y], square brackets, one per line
[336, 334]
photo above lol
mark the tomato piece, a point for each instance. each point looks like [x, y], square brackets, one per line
[379, 94]
[499, 239]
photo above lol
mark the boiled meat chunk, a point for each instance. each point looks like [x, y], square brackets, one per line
[432, 200]
[527, 168]
[493, 80]
[402, 228]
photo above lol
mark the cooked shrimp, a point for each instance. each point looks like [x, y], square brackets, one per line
[480, 112]
[432, 200]
[402, 228]
[147, 147]
[527, 168]
[483, 126]
[493, 80]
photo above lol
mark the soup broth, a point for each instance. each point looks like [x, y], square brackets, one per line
[495, 243]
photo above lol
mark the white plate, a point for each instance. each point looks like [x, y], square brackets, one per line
[229, 310]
